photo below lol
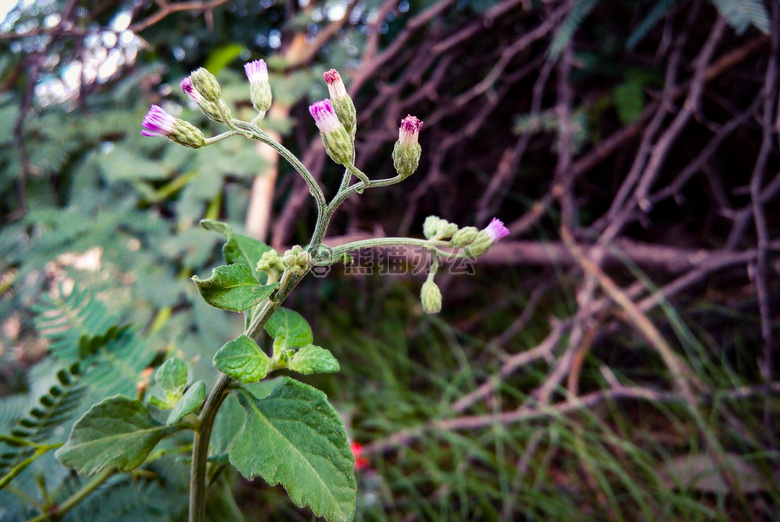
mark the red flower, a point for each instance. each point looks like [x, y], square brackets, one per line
[361, 462]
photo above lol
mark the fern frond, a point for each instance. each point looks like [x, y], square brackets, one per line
[741, 14]
[656, 13]
[54, 408]
[65, 320]
[569, 26]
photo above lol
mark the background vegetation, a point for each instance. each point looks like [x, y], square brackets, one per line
[615, 358]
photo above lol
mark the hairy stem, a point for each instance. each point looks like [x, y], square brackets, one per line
[200, 448]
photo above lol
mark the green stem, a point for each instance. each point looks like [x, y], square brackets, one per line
[256, 133]
[76, 497]
[220, 137]
[40, 449]
[359, 174]
[200, 448]
[338, 252]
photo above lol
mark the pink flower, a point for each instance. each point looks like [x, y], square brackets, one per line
[191, 91]
[496, 230]
[409, 130]
[336, 87]
[256, 71]
[157, 122]
[324, 116]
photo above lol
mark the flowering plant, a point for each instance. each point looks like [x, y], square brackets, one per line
[292, 436]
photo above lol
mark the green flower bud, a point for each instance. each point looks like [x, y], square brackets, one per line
[431, 226]
[342, 102]
[406, 159]
[206, 84]
[347, 115]
[338, 145]
[406, 151]
[270, 262]
[464, 237]
[480, 245]
[446, 230]
[157, 122]
[187, 134]
[259, 88]
[296, 260]
[334, 136]
[430, 295]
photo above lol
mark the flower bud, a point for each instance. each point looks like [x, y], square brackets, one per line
[206, 84]
[337, 142]
[431, 226]
[430, 295]
[446, 230]
[342, 102]
[214, 110]
[486, 237]
[464, 237]
[406, 151]
[296, 260]
[259, 88]
[270, 262]
[157, 122]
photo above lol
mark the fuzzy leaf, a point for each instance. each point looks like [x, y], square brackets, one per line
[296, 438]
[115, 432]
[289, 329]
[233, 288]
[313, 359]
[172, 378]
[190, 402]
[238, 249]
[242, 360]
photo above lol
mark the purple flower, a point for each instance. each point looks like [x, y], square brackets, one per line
[191, 91]
[324, 116]
[496, 230]
[157, 122]
[336, 87]
[409, 130]
[256, 71]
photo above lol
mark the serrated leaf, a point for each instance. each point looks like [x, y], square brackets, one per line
[289, 329]
[237, 249]
[313, 359]
[296, 438]
[117, 432]
[191, 401]
[242, 360]
[233, 288]
[172, 378]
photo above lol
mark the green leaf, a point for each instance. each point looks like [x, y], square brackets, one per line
[232, 287]
[116, 432]
[238, 249]
[190, 402]
[242, 360]
[172, 378]
[222, 56]
[289, 329]
[313, 359]
[296, 438]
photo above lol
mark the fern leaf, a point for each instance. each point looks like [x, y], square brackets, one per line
[65, 320]
[569, 26]
[741, 14]
[54, 408]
